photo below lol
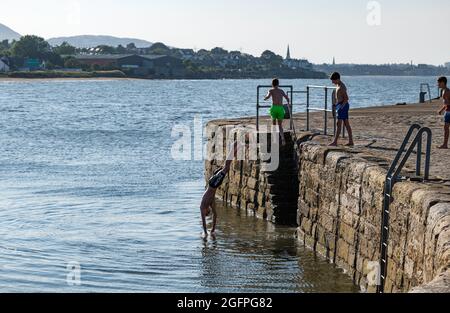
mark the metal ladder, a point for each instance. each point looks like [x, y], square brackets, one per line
[427, 86]
[392, 177]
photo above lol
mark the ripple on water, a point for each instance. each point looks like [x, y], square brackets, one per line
[87, 176]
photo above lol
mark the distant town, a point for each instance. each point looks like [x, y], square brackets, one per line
[33, 57]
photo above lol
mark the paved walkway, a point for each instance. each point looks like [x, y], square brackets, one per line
[379, 131]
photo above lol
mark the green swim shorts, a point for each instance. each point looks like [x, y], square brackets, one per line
[277, 112]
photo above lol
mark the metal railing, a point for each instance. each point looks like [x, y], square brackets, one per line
[259, 106]
[308, 106]
[427, 86]
[392, 177]
[324, 109]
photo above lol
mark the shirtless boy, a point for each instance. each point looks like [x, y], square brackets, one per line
[277, 110]
[442, 83]
[208, 204]
[342, 107]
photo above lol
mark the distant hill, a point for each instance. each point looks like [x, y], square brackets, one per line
[8, 33]
[89, 41]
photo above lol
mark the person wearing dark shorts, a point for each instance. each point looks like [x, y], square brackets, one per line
[442, 83]
[208, 204]
[342, 109]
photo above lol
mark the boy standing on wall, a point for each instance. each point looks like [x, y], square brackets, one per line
[277, 110]
[342, 108]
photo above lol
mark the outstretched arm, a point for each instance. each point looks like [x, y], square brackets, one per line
[214, 212]
[232, 154]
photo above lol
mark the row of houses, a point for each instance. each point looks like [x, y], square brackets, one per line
[4, 65]
[138, 65]
[132, 64]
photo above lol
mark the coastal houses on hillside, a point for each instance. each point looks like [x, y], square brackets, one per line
[296, 63]
[4, 66]
[136, 65]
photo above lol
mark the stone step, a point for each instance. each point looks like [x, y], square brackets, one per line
[291, 198]
[283, 180]
[283, 153]
[283, 173]
[283, 206]
[282, 189]
[288, 220]
[287, 164]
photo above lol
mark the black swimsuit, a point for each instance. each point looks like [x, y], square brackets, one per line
[217, 179]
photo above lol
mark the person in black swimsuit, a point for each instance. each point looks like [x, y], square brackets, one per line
[208, 204]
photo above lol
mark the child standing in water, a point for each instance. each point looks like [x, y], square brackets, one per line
[442, 83]
[277, 110]
[342, 108]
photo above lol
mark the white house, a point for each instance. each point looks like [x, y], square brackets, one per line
[3, 66]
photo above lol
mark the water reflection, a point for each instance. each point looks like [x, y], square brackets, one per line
[251, 255]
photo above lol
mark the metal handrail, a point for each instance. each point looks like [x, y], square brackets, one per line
[392, 177]
[325, 109]
[428, 88]
[291, 92]
[259, 106]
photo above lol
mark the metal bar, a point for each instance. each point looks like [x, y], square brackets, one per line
[320, 87]
[319, 109]
[257, 109]
[325, 131]
[428, 153]
[419, 157]
[429, 92]
[307, 107]
[408, 152]
[391, 179]
[291, 107]
[402, 148]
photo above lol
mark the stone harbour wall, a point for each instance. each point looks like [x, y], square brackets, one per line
[339, 216]
[335, 198]
[269, 195]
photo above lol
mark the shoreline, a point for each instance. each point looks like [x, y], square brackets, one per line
[19, 79]
[6, 78]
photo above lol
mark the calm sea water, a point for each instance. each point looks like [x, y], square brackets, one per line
[86, 179]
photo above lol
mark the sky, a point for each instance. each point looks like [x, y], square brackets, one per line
[352, 31]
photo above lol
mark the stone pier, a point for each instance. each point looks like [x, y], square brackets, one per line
[334, 196]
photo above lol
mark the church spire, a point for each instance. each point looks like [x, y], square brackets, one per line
[288, 56]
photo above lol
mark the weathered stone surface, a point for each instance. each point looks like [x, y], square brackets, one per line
[336, 198]
[441, 284]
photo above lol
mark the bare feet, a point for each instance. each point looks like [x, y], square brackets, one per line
[350, 144]
[443, 147]
[333, 144]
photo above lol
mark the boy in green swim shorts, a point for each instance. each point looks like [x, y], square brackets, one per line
[277, 110]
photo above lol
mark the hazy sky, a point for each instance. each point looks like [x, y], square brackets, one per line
[351, 31]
